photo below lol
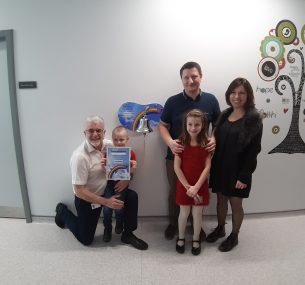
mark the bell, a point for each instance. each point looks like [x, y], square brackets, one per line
[144, 126]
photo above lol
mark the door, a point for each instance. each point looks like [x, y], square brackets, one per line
[13, 192]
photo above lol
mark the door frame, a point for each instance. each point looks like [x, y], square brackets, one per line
[7, 36]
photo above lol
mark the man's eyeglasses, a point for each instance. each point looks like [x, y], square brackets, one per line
[91, 131]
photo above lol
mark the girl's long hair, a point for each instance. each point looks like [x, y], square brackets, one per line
[202, 136]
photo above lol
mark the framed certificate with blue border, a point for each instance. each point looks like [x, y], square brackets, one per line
[118, 163]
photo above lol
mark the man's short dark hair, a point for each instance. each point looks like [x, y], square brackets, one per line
[189, 65]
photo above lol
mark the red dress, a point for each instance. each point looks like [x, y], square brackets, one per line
[192, 164]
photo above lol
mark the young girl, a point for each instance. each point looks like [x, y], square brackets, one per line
[192, 167]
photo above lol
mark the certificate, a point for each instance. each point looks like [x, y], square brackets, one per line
[118, 163]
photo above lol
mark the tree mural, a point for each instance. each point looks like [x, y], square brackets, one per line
[273, 60]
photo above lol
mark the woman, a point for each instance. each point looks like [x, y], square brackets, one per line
[238, 135]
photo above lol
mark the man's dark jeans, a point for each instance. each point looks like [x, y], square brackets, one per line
[83, 226]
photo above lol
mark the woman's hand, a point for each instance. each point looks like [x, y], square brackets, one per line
[240, 185]
[211, 145]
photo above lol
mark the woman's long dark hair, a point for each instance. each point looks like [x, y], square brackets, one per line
[202, 136]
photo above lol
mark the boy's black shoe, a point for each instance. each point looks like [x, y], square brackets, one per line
[118, 227]
[229, 243]
[58, 217]
[217, 233]
[107, 235]
[130, 238]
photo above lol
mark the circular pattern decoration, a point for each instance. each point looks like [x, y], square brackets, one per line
[268, 69]
[275, 129]
[283, 86]
[303, 34]
[286, 31]
[272, 47]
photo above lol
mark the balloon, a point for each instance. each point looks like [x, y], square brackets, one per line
[140, 118]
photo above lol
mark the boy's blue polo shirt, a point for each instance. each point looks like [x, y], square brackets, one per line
[176, 106]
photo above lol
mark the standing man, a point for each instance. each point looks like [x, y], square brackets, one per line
[171, 125]
[89, 182]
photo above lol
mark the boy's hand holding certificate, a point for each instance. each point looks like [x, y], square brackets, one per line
[118, 163]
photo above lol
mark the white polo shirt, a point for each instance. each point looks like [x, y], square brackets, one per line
[86, 167]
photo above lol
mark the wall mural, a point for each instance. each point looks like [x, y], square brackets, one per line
[283, 50]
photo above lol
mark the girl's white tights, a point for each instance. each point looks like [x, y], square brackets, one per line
[182, 221]
[197, 221]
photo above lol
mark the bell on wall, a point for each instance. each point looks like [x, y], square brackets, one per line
[144, 126]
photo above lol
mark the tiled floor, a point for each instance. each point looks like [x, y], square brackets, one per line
[271, 251]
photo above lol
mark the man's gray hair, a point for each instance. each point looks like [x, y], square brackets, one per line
[96, 119]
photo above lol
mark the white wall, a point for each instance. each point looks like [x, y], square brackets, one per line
[89, 57]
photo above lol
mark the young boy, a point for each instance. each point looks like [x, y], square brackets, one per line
[119, 139]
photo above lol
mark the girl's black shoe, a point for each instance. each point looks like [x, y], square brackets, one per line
[196, 250]
[180, 248]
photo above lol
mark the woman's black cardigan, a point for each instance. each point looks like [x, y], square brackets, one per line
[249, 142]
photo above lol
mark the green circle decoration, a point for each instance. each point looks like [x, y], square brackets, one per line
[286, 31]
[303, 34]
[271, 46]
